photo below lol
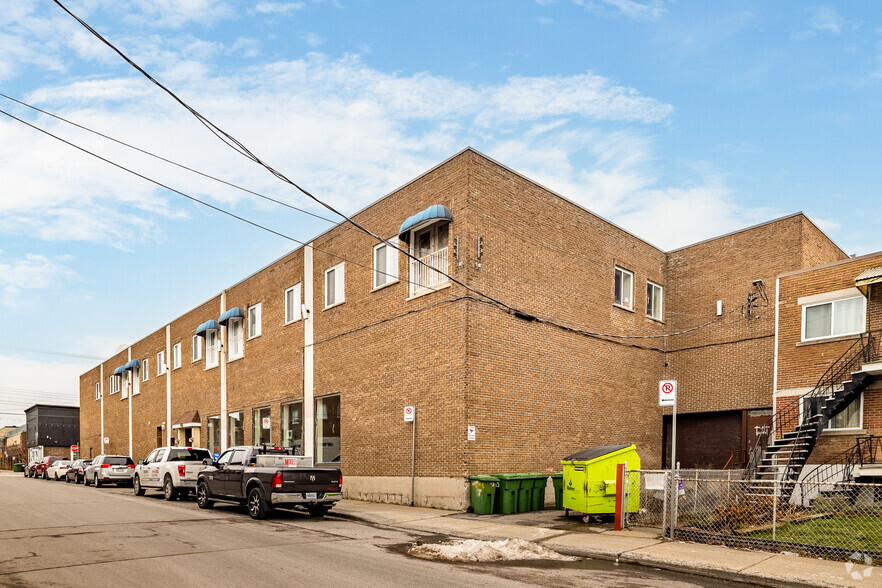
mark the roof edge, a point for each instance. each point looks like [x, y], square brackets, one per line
[831, 264]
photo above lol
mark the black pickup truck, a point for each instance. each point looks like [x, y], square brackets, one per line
[264, 478]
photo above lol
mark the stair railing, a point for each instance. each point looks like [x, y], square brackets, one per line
[788, 419]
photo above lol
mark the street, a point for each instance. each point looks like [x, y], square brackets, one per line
[57, 534]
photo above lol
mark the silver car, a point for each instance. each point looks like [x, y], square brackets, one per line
[110, 469]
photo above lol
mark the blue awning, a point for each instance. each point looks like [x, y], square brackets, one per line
[206, 326]
[435, 212]
[119, 370]
[234, 312]
[132, 365]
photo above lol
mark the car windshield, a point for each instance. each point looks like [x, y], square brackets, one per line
[188, 454]
[118, 460]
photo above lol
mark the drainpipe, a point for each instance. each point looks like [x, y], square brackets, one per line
[308, 356]
[775, 362]
[101, 392]
[223, 374]
[131, 390]
[168, 429]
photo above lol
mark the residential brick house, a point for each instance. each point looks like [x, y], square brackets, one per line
[828, 366]
[531, 319]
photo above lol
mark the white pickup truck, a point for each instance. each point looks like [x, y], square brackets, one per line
[172, 469]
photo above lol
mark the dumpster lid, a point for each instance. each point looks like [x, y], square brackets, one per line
[595, 452]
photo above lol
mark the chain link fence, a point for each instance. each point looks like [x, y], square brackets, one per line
[831, 520]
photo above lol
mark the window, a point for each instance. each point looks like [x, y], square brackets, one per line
[833, 319]
[624, 288]
[235, 429]
[262, 425]
[653, 301]
[197, 347]
[214, 434]
[145, 369]
[334, 285]
[327, 429]
[125, 379]
[97, 390]
[211, 349]
[254, 320]
[176, 356]
[850, 418]
[114, 384]
[292, 426]
[385, 265]
[429, 245]
[235, 337]
[135, 381]
[292, 304]
[160, 363]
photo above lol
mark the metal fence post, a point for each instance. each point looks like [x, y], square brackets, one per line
[675, 498]
[775, 510]
[667, 487]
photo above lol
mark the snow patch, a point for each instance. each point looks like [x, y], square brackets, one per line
[483, 551]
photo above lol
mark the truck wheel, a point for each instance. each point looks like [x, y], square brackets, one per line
[168, 489]
[136, 486]
[97, 482]
[317, 510]
[203, 497]
[257, 506]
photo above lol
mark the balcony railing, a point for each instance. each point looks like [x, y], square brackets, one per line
[429, 274]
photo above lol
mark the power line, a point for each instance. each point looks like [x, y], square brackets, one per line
[159, 157]
[47, 352]
[240, 148]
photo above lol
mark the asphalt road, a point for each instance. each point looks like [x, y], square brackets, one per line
[57, 534]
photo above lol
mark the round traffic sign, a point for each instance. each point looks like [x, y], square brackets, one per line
[667, 387]
[74, 448]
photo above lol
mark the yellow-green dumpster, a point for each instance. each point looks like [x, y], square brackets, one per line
[589, 479]
[483, 493]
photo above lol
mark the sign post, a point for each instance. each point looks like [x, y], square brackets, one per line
[667, 396]
[410, 417]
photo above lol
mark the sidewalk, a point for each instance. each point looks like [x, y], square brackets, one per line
[641, 546]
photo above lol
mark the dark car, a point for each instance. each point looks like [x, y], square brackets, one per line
[40, 468]
[29, 469]
[76, 472]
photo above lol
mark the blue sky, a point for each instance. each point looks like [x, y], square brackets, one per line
[676, 120]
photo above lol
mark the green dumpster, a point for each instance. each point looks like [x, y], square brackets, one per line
[507, 493]
[557, 482]
[525, 492]
[483, 493]
[18, 468]
[539, 483]
[589, 480]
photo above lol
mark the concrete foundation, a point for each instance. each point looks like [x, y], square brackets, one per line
[446, 493]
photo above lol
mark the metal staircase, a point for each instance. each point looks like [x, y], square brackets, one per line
[789, 437]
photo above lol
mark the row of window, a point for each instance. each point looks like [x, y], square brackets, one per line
[327, 428]
[624, 294]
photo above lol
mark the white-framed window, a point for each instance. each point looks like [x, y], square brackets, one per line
[126, 381]
[114, 384]
[385, 265]
[145, 369]
[292, 304]
[136, 381]
[97, 390]
[654, 298]
[429, 245]
[335, 291]
[212, 350]
[624, 288]
[160, 363]
[850, 418]
[327, 429]
[176, 355]
[197, 347]
[254, 313]
[235, 339]
[846, 316]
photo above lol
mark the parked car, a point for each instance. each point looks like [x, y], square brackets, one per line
[58, 469]
[29, 469]
[172, 469]
[109, 469]
[40, 468]
[76, 471]
[265, 478]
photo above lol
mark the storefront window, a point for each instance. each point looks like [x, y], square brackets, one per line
[327, 429]
[292, 426]
[262, 424]
[235, 429]
[214, 434]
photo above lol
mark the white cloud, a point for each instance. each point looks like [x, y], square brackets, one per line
[33, 272]
[278, 7]
[313, 40]
[826, 18]
[648, 10]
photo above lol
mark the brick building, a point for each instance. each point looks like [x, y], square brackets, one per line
[324, 347]
[829, 324]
